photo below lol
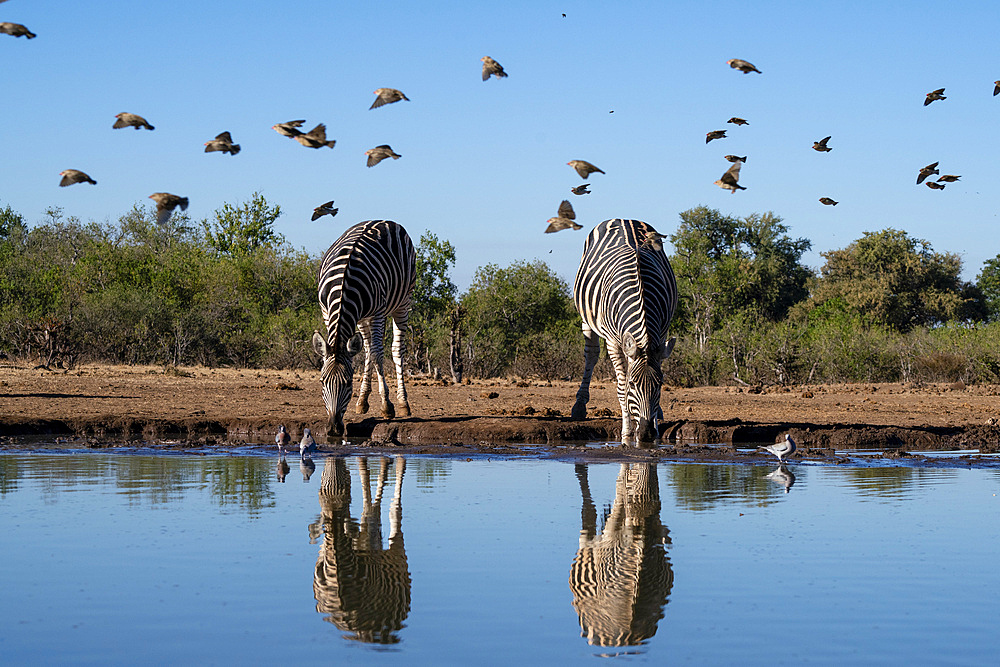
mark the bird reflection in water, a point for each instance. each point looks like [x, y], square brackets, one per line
[621, 577]
[282, 469]
[307, 466]
[361, 586]
[783, 476]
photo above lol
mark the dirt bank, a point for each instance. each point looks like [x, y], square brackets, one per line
[110, 405]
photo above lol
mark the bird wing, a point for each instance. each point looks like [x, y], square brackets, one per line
[224, 136]
[318, 133]
[162, 214]
[374, 157]
[566, 210]
[119, 124]
[379, 101]
[67, 180]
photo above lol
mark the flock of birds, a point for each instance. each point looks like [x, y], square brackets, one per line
[730, 179]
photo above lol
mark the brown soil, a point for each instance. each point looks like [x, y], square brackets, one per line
[111, 405]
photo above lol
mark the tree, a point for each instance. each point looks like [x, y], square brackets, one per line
[988, 282]
[727, 265]
[433, 298]
[898, 281]
[244, 229]
[520, 313]
[11, 223]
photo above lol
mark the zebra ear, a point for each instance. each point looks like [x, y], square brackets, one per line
[355, 344]
[319, 344]
[629, 346]
[668, 348]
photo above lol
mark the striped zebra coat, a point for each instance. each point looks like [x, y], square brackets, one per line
[626, 293]
[366, 276]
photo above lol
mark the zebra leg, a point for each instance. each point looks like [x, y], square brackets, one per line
[399, 323]
[378, 334]
[365, 327]
[591, 350]
[621, 374]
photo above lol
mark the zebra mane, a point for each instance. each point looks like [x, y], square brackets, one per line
[344, 255]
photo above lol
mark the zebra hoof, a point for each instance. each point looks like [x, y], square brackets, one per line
[579, 411]
[361, 408]
[404, 411]
[388, 411]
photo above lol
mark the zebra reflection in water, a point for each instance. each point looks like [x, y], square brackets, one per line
[621, 578]
[363, 588]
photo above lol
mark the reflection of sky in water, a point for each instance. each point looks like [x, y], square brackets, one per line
[179, 558]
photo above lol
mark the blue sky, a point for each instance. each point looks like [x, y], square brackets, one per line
[484, 164]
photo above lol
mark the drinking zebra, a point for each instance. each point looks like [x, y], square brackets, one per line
[626, 293]
[367, 275]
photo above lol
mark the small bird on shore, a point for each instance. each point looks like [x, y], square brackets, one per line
[315, 138]
[308, 443]
[737, 121]
[935, 95]
[492, 67]
[282, 440]
[581, 189]
[736, 158]
[827, 201]
[379, 153]
[126, 119]
[781, 449]
[289, 129]
[564, 220]
[324, 209]
[948, 178]
[730, 179]
[584, 168]
[715, 134]
[934, 185]
[165, 205]
[387, 96]
[821, 145]
[927, 171]
[222, 143]
[742, 66]
[71, 176]
[17, 30]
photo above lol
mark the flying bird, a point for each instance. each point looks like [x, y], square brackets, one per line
[282, 440]
[387, 96]
[581, 189]
[165, 205]
[308, 444]
[936, 95]
[737, 121]
[827, 201]
[289, 129]
[996, 88]
[126, 119]
[927, 171]
[948, 178]
[17, 30]
[730, 179]
[821, 145]
[379, 153]
[781, 449]
[736, 158]
[934, 185]
[71, 176]
[315, 138]
[491, 66]
[584, 168]
[742, 66]
[324, 209]
[223, 143]
[715, 134]
[564, 220]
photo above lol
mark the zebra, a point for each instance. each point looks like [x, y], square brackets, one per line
[621, 578]
[361, 586]
[367, 275]
[626, 293]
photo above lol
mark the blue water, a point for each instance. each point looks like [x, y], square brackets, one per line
[115, 558]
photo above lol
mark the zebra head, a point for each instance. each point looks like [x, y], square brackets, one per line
[337, 376]
[645, 376]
